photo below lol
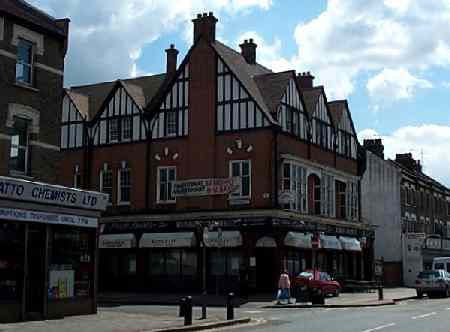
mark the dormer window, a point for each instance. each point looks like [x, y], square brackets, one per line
[24, 65]
[113, 130]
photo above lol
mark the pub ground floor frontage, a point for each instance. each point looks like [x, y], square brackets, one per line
[239, 251]
[48, 251]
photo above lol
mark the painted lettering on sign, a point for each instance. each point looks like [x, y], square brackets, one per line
[43, 193]
[206, 187]
[47, 218]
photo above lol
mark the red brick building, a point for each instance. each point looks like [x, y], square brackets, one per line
[220, 153]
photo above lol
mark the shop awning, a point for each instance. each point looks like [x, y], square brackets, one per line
[298, 240]
[117, 241]
[168, 240]
[330, 242]
[224, 239]
[350, 243]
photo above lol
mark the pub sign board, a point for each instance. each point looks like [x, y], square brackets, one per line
[36, 192]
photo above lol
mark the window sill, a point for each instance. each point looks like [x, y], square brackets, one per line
[123, 204]
[21, 175]
[25, 86]
[166, 202]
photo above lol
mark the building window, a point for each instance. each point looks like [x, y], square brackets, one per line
[77, 177]
[166, 178]
[328, 195]
[113, 130]
[294, 187]
[124, 180]
[314, 190]
[171, 123]
[18, 156]
[24, 65]
[127, 131]
[352, 199]
[341, 206]
[106, 181]
[241, 169]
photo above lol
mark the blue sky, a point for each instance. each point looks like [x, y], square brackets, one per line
[389, 58]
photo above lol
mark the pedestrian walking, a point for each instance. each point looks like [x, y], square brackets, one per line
[284, 288]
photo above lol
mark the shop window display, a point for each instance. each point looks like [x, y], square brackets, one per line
[11, 261]
[172, 262]
[71, 263]
[119, 265]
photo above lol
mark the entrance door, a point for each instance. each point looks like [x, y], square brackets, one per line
[267, 270]
[35, 275]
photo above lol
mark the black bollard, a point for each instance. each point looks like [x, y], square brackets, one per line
[182, 309]
[380, 293]
[188, 311]
[230, 309]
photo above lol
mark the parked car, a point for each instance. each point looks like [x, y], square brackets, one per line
[433, 282]
[313, 280]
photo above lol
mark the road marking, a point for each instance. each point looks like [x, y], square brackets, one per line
[447, 309]
[253, 311]
[424, 315]
[380, 327]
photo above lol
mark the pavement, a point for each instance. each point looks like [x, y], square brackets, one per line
[391, 296]
[123, 319]
[142, 317]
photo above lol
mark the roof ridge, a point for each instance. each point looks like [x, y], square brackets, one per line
[114, 81]
[238, 53]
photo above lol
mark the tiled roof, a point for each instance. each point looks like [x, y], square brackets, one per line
[24, 11]
[337, 109]
[245, 73]
[141, 89]
[81, 102]
[311, 98]
[273, 86]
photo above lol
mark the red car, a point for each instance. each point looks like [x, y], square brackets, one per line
[315, 280]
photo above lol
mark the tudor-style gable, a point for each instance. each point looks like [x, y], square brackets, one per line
[321, 127]
[172, 118]
[346, 139]
[119, 120]
[72, 122]
[236, 108]
[291, 114]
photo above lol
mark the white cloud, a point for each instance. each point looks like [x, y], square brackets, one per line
[353, 37]
[428, 140]
[107, 36]
[391, 85]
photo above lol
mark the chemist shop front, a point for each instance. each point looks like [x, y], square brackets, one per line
[48, 250]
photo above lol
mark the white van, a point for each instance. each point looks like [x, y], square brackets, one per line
[441, 263]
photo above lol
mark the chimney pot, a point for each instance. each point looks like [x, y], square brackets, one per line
[205, 25]
[375, 146]
[248, 51]
[171, 58]
[305, 80]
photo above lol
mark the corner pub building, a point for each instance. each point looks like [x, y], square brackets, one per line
[219, 165]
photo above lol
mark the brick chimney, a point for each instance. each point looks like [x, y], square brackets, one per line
[305, 80]
[248, 51]
[205, 26]
[375, 145]
[172, 54]
[409, 162]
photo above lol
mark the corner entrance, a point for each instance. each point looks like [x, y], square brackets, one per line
[267, 265]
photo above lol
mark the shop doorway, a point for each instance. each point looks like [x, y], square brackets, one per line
[35, 273]
[267, 270]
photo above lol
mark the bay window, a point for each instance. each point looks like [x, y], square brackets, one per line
[294, 185]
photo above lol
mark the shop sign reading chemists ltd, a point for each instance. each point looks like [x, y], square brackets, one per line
[206, 187]
[23, 190]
